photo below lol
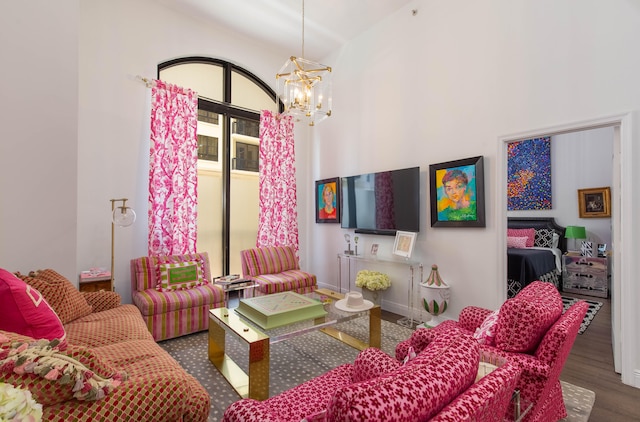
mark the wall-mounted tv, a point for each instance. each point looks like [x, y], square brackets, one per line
[382, 203]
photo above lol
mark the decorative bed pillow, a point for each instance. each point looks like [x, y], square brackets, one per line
[62, 295]
[54, 377]
[25, 311]
[486, 332]
[544, 238]
[530, 234]
[180, 276]
[516, 242]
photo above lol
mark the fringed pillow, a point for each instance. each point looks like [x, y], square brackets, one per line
[54, 377]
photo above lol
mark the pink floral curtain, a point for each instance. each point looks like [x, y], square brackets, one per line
[278, 225]
[173, 170]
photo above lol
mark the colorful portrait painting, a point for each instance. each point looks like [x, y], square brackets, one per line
[328, 201]
[529, 174]
[457, 193]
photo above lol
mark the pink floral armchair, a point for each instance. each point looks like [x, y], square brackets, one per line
[531, 330]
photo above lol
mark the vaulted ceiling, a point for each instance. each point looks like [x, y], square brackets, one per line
[328, 24]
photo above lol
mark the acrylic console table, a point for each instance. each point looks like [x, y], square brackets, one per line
[413, 266]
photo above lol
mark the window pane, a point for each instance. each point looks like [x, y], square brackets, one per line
[207, 148]
[204, 78]
[244, 190]
[246, 94]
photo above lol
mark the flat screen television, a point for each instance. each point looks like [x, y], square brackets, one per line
[381, 203]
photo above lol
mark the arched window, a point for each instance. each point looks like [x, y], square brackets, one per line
[229, 103]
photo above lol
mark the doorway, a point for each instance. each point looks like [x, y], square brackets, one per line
[621, 124]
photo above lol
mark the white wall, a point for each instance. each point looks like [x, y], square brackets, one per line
[449, 82]
[38, 136]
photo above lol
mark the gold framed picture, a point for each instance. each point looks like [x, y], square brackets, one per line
[594, 202]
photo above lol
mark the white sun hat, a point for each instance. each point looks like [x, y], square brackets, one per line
[353, 302]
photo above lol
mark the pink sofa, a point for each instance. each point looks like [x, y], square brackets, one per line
[532, 331]
[107, 366]
[276, 269]
[439, 384]
[174, 313]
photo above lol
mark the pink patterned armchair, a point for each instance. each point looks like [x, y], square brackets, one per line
[439, 383]
[531, 330]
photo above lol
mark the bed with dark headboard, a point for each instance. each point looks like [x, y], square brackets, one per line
[541, 262]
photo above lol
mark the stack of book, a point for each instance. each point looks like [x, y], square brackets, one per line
[95, 274]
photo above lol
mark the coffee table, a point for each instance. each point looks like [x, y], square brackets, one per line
[255, 383]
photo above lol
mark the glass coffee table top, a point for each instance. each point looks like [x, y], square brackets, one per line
[333, 316]
[255, 383]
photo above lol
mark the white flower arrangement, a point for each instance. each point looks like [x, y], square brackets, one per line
[372, 280]
[18, 405]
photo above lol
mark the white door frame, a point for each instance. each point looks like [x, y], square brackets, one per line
[624, 290]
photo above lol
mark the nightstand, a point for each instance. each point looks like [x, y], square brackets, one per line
[94, 284]
[585, 275]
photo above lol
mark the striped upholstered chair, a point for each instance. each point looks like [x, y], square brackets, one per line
[173, 307]
[276, 269]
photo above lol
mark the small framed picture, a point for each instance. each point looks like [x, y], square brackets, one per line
[374, 249]
[602, 250]
[587, 248]
[328, 200]
[403, 245]
[594, 202]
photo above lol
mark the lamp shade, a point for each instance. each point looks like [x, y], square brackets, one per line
[575, 232]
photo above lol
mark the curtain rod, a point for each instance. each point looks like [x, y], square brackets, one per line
[146, 81]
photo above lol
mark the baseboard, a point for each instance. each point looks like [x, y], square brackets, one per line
[636, 378]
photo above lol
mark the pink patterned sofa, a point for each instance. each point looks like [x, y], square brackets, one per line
[437, 384]
[276, 269]
[531, 330]
[172, 309]
[86, 357]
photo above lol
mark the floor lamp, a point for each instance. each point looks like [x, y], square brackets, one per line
[121, 216]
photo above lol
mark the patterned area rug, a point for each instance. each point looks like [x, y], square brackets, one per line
[298, 359]
[594, 307]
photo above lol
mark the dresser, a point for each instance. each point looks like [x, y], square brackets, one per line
[585, 275]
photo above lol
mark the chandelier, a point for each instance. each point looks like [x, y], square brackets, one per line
[304, 87]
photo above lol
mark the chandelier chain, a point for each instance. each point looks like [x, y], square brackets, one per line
[302, 29]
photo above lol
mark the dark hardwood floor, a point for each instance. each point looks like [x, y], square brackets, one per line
[590, 365]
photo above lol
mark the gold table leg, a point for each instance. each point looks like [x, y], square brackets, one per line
[375, 332]
[255, 383]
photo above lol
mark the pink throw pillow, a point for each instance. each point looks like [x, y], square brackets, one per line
[486, 332]
[26, 312]
[530, 234]
[516, 242]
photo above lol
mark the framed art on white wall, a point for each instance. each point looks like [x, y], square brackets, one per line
[403, 245]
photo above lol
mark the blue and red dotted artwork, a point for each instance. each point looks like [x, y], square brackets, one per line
[529, 174]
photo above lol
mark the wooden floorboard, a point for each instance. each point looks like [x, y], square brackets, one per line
[590, 365]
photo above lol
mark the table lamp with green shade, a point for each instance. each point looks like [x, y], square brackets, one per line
[575, 232]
